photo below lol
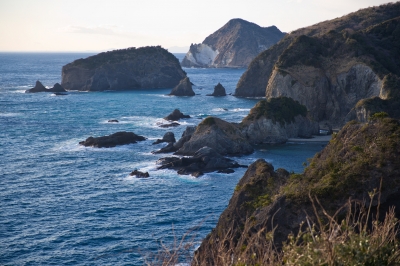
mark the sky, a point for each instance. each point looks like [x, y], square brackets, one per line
[103, 25]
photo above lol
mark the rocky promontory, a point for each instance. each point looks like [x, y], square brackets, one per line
[119, 138]
[329, 66]
[233, 45]
[127, 69]
[267, 205]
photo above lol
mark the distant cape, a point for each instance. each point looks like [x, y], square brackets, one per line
[234, 45]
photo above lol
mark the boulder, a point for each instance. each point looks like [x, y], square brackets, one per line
[126, 69]
[204, 160]
[184, 88]
[219, 90]
[176, 115]
[168, 137]
[119, 138]
[224, 137]
[139, 174]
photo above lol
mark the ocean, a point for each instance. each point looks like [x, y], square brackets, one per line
[65, 204]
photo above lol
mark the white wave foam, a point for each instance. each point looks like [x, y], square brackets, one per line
[9, 114]
[241, 109]
[220, 110]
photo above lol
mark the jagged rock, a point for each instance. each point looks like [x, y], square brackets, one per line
[119, 138]
[167, 149]
[224, 137]
[186, 135]
[353, 164]
[276, 120]
[176, 115]
[204, 160]
[139, 174]
[168, 137]
[113, 121]
[233, 45]
[184, 88]
[57, 88]
[219, 90]
[126, 69]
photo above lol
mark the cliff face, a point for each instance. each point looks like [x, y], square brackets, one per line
[352, 165]
[128, 69]
[233, 45]
[330, 66]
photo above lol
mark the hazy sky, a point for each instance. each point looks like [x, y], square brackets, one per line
[100, 25]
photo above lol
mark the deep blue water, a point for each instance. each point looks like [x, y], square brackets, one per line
[63, 204]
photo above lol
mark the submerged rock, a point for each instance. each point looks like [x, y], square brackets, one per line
[139, 174]
[184, 88]
[176, 115]
[204, 160]
[119, 138]
[219, 90]
[113, 121]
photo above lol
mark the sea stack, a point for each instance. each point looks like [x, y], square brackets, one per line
[219, 90]
[184, 88]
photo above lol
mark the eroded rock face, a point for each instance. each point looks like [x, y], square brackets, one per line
[205, 160]
[127, 69]
[119, 138]
[327, 98]
[218, 134]
[184, 88]
[233, 45]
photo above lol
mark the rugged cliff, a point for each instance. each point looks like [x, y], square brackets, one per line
[268, 205]
[233, 45]
[127, 69]
[330, 66]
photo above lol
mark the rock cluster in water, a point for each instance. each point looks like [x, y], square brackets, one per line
[57, 88]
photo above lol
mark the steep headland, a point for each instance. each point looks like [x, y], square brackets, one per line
[268, 205]
[127, 69]
[233, 45]
[332, 65]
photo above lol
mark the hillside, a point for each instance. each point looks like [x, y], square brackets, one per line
[268, 205]
[234, 45]
[332, 65]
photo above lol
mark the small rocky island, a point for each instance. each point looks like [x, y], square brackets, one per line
[57, 88]
[128, 69]
[119, 138]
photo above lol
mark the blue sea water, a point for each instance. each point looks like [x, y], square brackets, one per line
[64, 204]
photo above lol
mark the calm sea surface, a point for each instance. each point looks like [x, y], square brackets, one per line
[64, 204]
